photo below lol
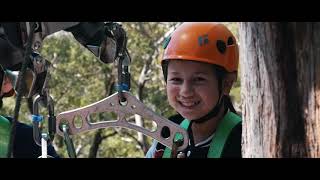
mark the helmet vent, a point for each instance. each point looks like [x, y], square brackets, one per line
[221, 45]
[230, 41]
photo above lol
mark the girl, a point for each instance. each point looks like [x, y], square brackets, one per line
[200, 65]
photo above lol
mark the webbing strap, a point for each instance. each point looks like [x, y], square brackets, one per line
[229, 121]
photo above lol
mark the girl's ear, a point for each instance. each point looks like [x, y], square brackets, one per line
[228, 81]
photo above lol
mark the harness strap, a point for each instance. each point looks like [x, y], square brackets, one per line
[224, 129]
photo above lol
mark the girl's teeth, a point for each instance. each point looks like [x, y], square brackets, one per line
[189, 104]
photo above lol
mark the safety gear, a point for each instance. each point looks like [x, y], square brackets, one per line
[205, 42]
[220, 138]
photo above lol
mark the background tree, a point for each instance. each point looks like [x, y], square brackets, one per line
[280, 73]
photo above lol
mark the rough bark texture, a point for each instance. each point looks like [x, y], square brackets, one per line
[280, 73]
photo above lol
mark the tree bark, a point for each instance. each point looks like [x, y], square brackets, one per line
[280, 73]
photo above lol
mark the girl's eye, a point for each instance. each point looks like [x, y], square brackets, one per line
[199, 79]
[175, 80]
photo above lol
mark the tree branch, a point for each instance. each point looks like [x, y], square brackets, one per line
[134, 138]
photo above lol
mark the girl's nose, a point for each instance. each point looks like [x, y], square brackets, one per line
[186, 89]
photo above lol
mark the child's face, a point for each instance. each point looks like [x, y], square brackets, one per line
[192, 88]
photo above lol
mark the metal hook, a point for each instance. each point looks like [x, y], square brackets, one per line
[120, 86]
[175, 145]
[36, 118]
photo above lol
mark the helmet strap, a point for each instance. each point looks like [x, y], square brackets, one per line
[213, 113]
[215, 110]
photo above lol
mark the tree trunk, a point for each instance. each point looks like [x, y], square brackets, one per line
[143, 78]
[97, 140]
[280, 73]
[139, 120]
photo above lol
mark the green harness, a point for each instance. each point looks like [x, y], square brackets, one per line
[229, 121]
[5, 129]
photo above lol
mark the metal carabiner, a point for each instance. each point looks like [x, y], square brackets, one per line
[123, 57]
[37, 118]
[120, 86]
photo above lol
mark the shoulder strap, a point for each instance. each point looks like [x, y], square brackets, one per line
[225, 127]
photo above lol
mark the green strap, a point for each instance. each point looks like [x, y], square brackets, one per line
[224, 129]
[229, 121]
[5, 130]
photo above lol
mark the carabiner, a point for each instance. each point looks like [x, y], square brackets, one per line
[37, 118]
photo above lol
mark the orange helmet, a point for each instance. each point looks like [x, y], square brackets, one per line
[205, 42]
